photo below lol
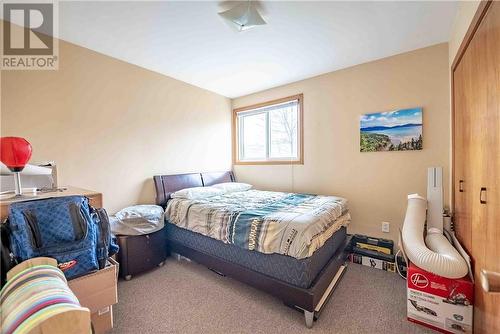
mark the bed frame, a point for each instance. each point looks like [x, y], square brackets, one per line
[310, 301]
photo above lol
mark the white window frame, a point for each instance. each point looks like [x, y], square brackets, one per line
[257, 109]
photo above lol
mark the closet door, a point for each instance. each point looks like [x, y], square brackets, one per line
[461, 156]
[477, 140]
[486, 229]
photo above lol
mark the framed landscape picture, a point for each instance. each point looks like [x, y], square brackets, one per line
[398, 130]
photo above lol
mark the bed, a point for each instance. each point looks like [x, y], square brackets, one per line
[303, 276]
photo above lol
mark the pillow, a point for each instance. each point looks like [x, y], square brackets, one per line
[229, 187]
[197, 193]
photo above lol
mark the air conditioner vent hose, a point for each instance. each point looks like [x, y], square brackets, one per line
[436, 255]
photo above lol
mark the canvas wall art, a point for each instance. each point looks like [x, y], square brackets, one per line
[398, 130]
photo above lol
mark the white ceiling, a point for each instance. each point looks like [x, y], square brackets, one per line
[190, 42]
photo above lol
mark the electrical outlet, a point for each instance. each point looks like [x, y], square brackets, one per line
[386, 227]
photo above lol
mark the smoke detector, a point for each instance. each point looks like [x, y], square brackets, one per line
[243, 16]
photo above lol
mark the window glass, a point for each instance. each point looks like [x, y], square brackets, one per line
[270, 132]
[253, 131]
[283, 132]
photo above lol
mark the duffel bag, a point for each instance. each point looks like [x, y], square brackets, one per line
[65, 228]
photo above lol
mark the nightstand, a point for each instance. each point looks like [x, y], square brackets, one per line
[140, 253]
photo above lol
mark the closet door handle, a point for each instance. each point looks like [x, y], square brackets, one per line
[461, 186]
[490, 281]
[483, 191]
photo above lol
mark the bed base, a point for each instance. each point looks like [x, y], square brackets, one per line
[310, 301]
[313, 316]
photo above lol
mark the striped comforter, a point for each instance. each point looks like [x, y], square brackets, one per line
[265, 221]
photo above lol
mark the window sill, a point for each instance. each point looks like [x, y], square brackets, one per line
[268, 162]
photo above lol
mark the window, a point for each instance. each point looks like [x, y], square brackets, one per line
[269, 133]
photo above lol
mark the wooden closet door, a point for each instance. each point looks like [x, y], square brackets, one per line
[488, 43]
[477, 129]
[461, 158]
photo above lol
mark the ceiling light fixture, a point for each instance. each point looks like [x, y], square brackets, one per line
[243, 16]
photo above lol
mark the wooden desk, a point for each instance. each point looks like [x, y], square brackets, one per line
[95, 198]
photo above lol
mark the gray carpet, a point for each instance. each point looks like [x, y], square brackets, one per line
[184, 297]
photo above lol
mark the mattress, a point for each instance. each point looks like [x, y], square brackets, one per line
[298, 272]
[265, 221]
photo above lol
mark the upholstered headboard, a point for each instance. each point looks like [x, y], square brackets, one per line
[167, 184]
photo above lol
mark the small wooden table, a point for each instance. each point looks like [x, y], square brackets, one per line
[95, 198]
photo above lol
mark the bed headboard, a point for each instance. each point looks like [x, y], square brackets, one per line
[167, 184]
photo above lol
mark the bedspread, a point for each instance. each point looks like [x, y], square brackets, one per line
[265, 221]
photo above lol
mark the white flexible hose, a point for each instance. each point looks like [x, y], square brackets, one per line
[438, 256]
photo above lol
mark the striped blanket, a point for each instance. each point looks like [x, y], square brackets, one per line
[265, 221]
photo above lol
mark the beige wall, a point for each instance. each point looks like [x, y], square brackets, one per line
[111, 126]
[375, 183]
[463, 18]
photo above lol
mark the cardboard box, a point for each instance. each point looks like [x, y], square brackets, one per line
[372, 262]
[98, 292]
[102, 320]
[440, 303]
